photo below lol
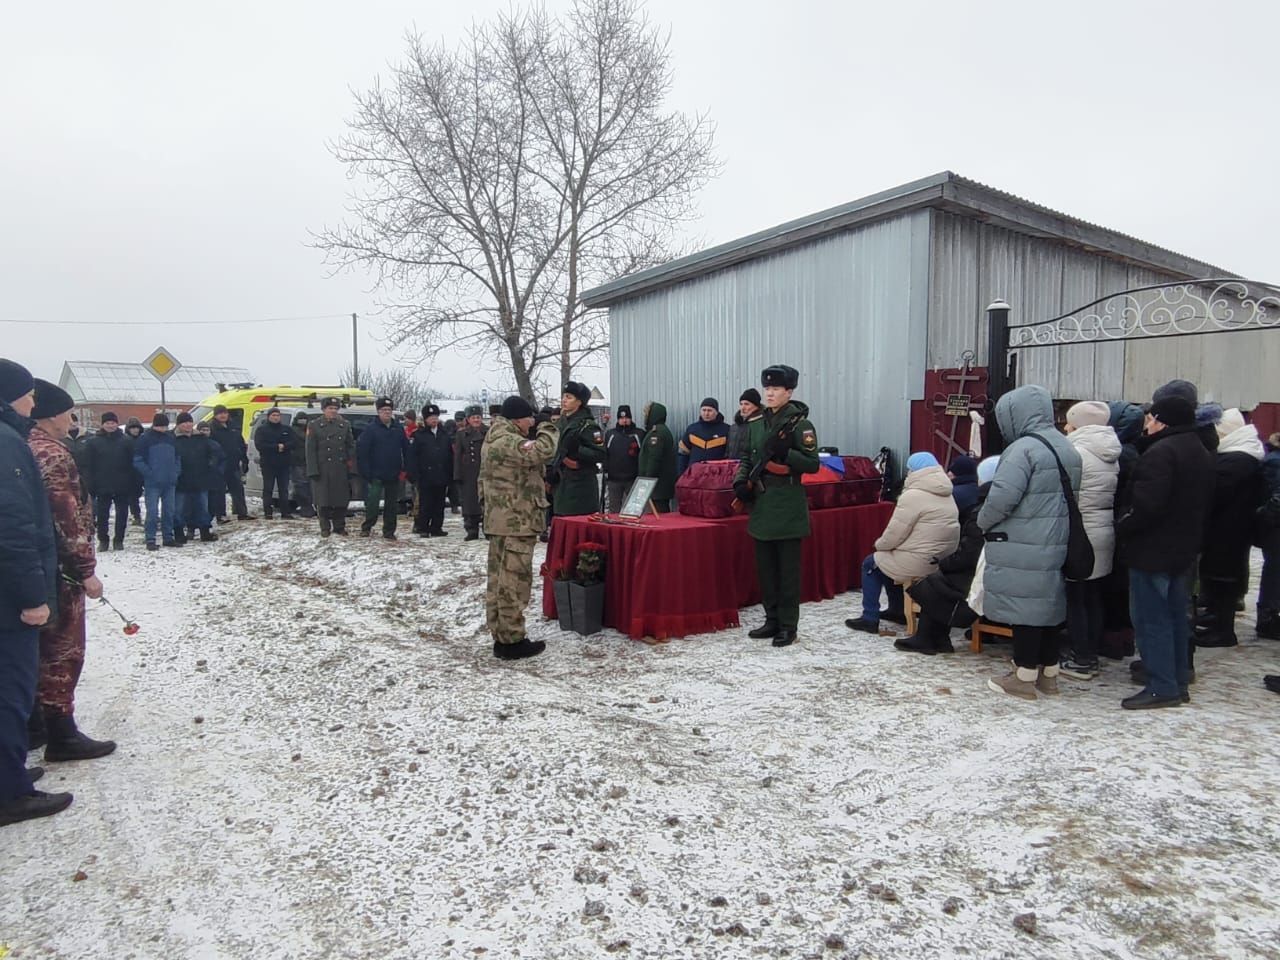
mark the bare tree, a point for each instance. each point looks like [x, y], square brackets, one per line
[500, 179]
[398, 383]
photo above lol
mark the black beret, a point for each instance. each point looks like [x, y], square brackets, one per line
[780, 375]
[51, 400]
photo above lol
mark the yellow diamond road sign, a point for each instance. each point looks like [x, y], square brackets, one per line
[162, 364]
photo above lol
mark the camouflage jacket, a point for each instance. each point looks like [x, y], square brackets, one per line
[72, 514]
[511, 483]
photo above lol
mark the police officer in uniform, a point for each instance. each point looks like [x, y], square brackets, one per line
[578, 455]
[781, 446]
[331, 451]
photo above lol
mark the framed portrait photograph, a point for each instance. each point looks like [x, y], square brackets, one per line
[638, 497]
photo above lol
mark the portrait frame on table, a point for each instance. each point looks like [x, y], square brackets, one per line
[639, 498]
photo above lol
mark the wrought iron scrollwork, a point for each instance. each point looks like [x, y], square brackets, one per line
[1185, 308]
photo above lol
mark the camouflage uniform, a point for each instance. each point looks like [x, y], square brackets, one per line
[514, 505]
[62, 641]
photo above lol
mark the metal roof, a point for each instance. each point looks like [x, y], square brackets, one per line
[944, 191]
[91, 381]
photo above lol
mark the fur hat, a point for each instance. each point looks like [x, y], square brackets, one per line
[780, 375]
[384, 403]
[580, 390]
[51, 400]
[516, 408]
[430, 410]
[1088, 413]
[325, 404]
[1208, 414]
[15, 381]
[624, 410]
[475, 410]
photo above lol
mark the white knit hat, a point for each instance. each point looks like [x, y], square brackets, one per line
[1089, 413]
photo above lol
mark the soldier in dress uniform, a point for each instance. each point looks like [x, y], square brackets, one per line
[578, 456]
[331, 451]
[511, 486]
[466, 469]
[782, 445]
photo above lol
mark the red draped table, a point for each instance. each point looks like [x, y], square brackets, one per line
[671, 576]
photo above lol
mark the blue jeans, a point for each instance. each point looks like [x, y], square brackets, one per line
[157, 498]
[193, 509]
[1162, 628]
[19, 664]
[873, 582]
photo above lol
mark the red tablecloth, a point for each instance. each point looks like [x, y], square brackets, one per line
[673, 575]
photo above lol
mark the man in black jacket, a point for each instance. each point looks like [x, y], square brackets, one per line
[431, 464]
[235, 462]
[200, 459]
[275, 442]
[382, 457]
[112, 479]
[1159, 535]
[621, 458]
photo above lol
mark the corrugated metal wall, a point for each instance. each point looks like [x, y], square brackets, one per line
[849, 312]
[974, 263]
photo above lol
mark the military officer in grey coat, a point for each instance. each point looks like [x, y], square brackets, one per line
[331, 451]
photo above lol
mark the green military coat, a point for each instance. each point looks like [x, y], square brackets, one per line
[658, 452]
[330, 447]
[781, 509]
[578, 491]
[511, 483]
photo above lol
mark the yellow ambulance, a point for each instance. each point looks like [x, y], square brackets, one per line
[243, 400]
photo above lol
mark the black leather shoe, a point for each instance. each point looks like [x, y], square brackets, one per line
[33, 805]
[1149, 701]
[894, 616]
[35, 773]
[784, 638]
[863, 626]
[1272, 682]
[767, 631]
[472, 535]
[66, 742]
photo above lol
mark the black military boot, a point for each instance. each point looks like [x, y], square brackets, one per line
[207, 535]
[520, 650]
[472, 535]
[1268, 624]
[33, 805]
[1222, 633]
[784, 638]
[37, 735]
[766, 631]
[66, 742]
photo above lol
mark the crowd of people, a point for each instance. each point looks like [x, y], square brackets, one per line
[1133, 524]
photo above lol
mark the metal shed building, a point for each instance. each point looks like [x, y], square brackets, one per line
[873, 300]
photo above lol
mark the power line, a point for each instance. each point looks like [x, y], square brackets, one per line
[177, 323]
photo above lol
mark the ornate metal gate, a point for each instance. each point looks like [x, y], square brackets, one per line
[1186, 308]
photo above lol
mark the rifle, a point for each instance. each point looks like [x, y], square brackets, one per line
[778, 439]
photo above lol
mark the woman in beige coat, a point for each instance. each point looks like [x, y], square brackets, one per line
[924, 527]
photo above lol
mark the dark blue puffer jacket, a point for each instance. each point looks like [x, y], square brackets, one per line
[155, 457]
[382, 452]
[28, 554]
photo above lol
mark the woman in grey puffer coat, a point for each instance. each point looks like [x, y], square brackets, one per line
[1026, 526]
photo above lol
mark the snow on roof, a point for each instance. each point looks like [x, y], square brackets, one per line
[91, 381]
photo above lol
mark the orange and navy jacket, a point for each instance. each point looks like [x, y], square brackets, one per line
[703, 441]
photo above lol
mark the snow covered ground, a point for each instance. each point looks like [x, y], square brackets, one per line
[320, 759]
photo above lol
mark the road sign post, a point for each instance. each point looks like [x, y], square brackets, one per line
[162, 365]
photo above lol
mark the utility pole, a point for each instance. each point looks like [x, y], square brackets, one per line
[355, 351]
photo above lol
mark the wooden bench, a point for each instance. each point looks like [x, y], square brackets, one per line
[981, 628]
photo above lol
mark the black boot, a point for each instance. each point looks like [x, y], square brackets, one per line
[1268, 624]
[66, 742]
[472, 535]
[918, 642]
[1222, 632]
[37, 735]
[33, 805]
[520, 650]
[784, 638]
[767, 631]
[207, 535]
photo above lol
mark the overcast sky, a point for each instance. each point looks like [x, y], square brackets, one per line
[165, 162]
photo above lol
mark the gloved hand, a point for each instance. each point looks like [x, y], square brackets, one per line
[743, 491]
